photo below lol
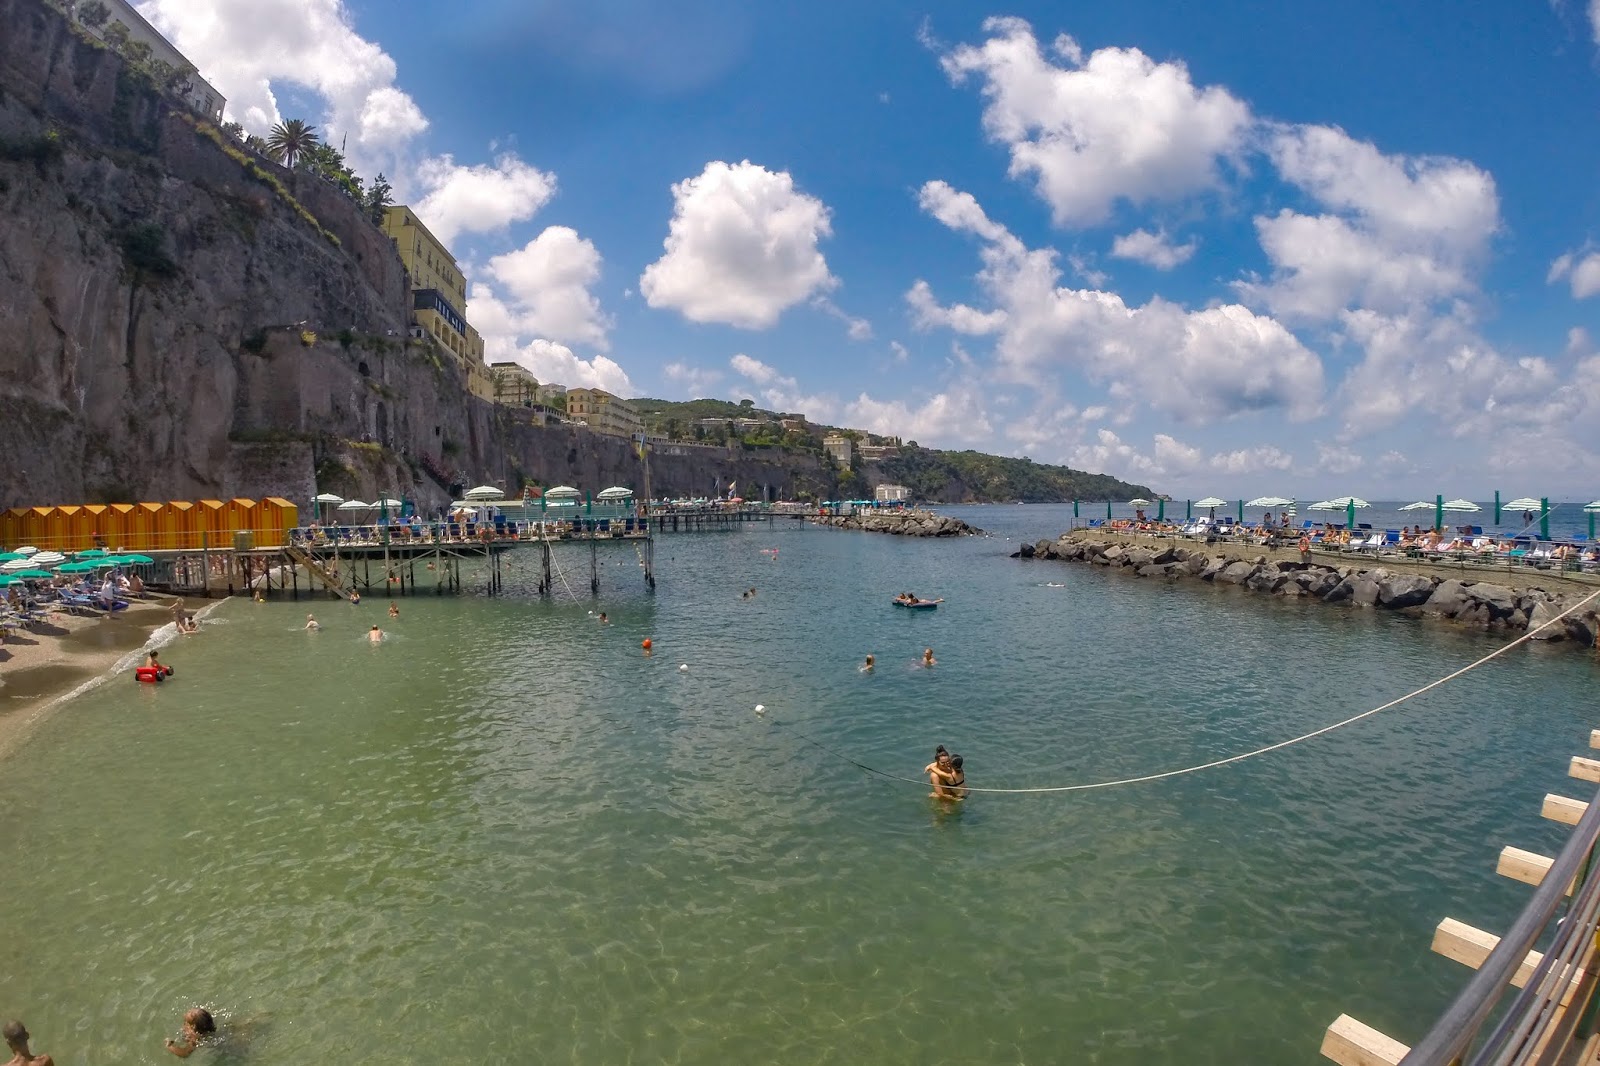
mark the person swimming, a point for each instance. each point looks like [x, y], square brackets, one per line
[312, 623]
[958, 777]
[604, 620]
[355, 598]
[375, 635]
[197, 1025]
[927, 658]
[16, 1037]
[394, 610]
[941, 775]
[866, 668]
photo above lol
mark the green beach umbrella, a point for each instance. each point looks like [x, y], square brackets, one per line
[1438, 512]
[89, 553]
[76, 568]
[1108, 510]
[1592, 509]
[8, 579]
[6, 557]
[32, 575]
[1161, 509]
[130, 560]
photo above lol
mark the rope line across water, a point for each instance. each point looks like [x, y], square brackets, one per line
[1163, 775]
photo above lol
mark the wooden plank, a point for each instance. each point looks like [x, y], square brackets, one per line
[1350, 1043]
[1563, 810]
[1526, 866]
[1584, 769]
[1594, 738]
[1470, 946]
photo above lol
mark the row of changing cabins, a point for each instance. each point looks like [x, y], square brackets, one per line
[176, 525]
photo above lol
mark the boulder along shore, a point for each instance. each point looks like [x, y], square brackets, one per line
[1491, 600]
[902, 523]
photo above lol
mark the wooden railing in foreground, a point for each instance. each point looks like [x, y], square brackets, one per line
[1551, 1019]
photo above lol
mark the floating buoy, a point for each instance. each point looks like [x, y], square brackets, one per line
[761, 709]
[645, 644]
[683, 668]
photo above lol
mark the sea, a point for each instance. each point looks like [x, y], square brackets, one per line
[506, 834]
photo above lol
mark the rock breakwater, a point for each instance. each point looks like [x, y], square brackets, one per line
[902, 523]
[1482, 604]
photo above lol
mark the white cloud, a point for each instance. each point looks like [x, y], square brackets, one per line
[1170, 459]
[741, 247]
[857, 329]
[1089, 132]
[1338, 459]
[548, 281]
[1408, 231]
[1579, 341]
[1152, 249]
[479, 199]
[244, 47]
[1581, 269]
[552, 362]
[1194, 365]
[899, 353]
[756, 371]
[696, 381]
[950, 418]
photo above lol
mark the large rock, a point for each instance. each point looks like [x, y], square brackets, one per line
[1366, 588]
[1170, 555]
[1448, 600]
[1345, 589]
[1265, 578]
[1196, 564]
[1236, 573]
[1137, 557]
[1114, 554]
[1499, 600]
[1399, 591]
[1541, 614]
[1026, 551]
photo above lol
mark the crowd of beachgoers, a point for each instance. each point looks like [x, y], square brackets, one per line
[1466, 543]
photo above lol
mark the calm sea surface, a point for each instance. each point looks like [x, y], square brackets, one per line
[505, 835]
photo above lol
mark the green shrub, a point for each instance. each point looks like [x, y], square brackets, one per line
[144, 249]
[44, 148]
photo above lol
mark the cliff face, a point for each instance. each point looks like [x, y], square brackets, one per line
[152, 297]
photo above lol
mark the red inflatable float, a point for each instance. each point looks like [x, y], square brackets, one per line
[152, 674]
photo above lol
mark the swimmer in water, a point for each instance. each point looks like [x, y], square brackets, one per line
[155, 662]
[312, 623]
[16, 1037]
[197, 1025]
[866, 667]
[958, 778]
[375, 635]
[394, 610]
[927, 658]
[941, 775]
[604, 620]
[355, 598]
[752, 593]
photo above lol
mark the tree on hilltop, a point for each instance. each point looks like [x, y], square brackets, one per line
[288, 141]
[93, 14]
[379, 196]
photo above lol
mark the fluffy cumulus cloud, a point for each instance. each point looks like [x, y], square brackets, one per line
[548, 280]
[1580, 269]
[857, 329]
[505, 337]
[695, 382]
[250, 49]
[1594, 19]
[481, 198]
[1153, 249]
[952, 418]
[741, 248]
[1193, 365]
[1170, 459]
[244, 47]
[1399, 232]
[1087, 132]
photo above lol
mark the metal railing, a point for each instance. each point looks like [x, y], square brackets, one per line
[1527, 1032]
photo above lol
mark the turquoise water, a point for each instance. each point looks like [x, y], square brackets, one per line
[505, 835]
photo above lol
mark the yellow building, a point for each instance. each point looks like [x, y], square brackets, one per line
[439, 295]
[603, 412]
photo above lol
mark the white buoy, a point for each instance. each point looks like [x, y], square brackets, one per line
[683, 668]
[761, 709]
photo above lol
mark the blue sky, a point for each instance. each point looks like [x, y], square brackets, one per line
[1320, 250]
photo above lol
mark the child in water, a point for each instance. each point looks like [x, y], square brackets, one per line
[197, 1025]
[866, 667]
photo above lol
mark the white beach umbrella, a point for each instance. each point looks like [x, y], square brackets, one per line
[387, 501]
[328, 497]
[1592, 507]
[1138, 501]
[47, 558]
[1269, 501]
[1348, 501]
[354, 505]
[1522, 503]
[27, 549]
[484, 492]
[1328, 505]
[1461, 505]
[1210, 501]
[1420, 505]
[615, 492]
[13, 565]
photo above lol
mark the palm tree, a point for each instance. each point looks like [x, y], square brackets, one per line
[288, 141]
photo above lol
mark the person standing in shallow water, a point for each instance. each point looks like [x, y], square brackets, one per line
[197, 1025]
[16, 1037]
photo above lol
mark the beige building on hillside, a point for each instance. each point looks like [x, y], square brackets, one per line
[603, 412]
[514, 384]
[439, 296]
[199, 93]
[838, 448]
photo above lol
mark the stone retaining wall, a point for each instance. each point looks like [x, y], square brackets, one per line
[1482, 604]
[903, 523]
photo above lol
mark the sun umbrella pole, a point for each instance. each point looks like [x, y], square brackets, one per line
[1438, 512]
[1544, 518]
[1496, 506]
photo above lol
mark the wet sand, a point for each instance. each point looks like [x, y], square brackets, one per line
[40, 665]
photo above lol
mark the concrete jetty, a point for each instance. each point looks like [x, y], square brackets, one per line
[1467, 594]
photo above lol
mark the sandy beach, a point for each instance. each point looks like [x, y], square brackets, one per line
[38, 666]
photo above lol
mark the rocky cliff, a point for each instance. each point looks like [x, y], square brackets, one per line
[180, 319]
